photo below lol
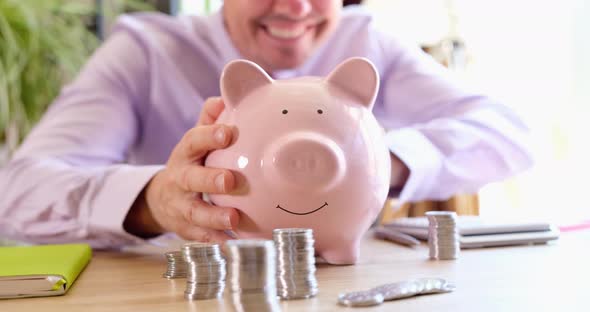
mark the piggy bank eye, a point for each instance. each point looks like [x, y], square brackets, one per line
[320, 111]
[285, 111]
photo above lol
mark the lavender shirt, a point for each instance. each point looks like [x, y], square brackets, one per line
[79, 171]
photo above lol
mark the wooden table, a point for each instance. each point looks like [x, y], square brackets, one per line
[551, 277]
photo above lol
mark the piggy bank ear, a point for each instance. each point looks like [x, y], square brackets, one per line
[358, 77]
[239, 78]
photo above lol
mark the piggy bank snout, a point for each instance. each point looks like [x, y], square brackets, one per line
[307, 159]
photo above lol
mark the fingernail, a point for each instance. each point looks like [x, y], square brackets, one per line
[231, 234]
[220, 135]
[220, 182]
[227, 221]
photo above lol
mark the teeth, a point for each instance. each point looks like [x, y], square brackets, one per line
[285, 33]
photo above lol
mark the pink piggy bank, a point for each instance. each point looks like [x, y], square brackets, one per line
[308, 154]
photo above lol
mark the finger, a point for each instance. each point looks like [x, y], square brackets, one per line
[211, 110]
[201, 139]
[198, 234]
[209, 216]
[195, 178]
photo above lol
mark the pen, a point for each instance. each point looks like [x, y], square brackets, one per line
[396, 236]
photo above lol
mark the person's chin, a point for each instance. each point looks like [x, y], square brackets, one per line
[289, 57]
[287, 61]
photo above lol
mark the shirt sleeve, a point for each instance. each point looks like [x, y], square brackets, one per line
[452, 139]
[67, 182]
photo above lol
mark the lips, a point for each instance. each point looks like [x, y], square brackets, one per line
[302, 213]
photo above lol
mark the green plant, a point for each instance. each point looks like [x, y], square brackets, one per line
[43, 44]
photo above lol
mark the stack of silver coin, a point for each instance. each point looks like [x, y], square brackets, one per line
[176, 265]
[205, 271]
[443, 235]
[295, 263]
[251, 278]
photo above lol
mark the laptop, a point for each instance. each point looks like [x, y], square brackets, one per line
[478, 232]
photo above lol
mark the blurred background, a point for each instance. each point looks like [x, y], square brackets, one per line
[533, 55]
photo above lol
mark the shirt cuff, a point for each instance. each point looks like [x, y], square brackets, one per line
[121, 188]
[423, 159]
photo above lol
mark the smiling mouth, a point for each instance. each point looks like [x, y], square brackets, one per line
[302, 213]
[286, 29]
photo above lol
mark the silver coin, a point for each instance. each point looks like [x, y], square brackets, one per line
[443, 235]
[204, 268]
[176, 266]
[295, 263]
[251, 266]
[360, 299]
[398, 290]
[436, 285]
[409, 288]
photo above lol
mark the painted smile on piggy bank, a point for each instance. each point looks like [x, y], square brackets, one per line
[302, 213]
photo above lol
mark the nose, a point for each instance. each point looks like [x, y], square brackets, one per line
[293, 8]
[306, 159]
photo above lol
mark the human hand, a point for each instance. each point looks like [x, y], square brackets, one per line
[174, 195]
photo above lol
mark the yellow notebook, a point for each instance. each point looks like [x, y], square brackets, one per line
[44, 270]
